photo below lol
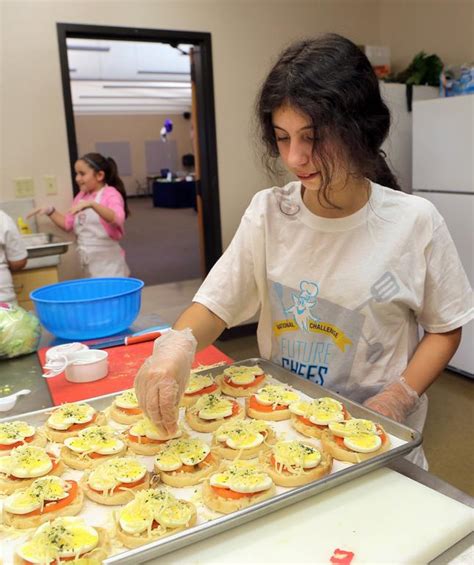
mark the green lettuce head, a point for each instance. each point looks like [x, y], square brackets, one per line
[20, 331]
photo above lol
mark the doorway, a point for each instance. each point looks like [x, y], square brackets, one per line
[201, 122]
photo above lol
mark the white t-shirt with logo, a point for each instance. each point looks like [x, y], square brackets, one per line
[12, 248]
[341, 299]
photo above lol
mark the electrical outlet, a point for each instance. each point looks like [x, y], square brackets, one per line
[50, 184]
[24, 187]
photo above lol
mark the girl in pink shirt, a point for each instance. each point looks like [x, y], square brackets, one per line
[97, 216]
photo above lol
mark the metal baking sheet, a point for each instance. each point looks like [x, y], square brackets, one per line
[409, 439]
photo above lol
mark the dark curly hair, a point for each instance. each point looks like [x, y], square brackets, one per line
[98, 162]
[330, 80]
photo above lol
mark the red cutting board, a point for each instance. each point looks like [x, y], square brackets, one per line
[124, 362]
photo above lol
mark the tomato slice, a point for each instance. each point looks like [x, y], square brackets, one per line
[61, 559]
[144, 439]
[255, 405]
[206, 390]
[95, 455]
[235, 409]
[130, 411]
[228, 493]
[123, 486]
[257, 381]
[58, 504]
[18, 443]
[76, 427]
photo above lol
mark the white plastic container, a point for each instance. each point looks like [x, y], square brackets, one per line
[87, 366]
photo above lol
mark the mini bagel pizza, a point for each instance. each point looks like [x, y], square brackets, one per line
[145, 438]
[355, 440]
[210, 411]
[312, 418]
[295, 463]
[185, 462]
[69, 419]
[242, 439]
[153, 514]
[92, 446]
[237, 486]
[45, 499]
[64, 540]
[14, 434]
[125, 409]
[196, 387]
[271, 402]
[241, 380]
[115, 481]
[25, 464]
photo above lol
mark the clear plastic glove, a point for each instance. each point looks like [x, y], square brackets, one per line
[397, 401]
[161, 380]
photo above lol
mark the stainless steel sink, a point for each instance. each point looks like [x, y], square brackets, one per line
[44, 244]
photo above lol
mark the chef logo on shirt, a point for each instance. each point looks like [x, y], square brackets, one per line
[306, 343]
[81, 218]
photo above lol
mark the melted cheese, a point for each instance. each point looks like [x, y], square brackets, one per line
[242, 375]
[273, 395]
[109, 474]
[146, 428]
[42, 490]
[295, 456]
[95, 439]
[68, 414]
[25, 462]
[198, 382]
[153, 504]
[128, 399]
[242, 476]
[242, 434]
[13, 432]
[181, 452]
[213, 407]
[64, 537]
[320, 411]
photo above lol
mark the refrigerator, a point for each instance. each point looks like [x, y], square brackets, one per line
[443, 172]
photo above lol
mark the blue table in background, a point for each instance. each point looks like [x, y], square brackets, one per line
[178, 194]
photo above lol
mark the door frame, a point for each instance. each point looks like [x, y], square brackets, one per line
[208, 186]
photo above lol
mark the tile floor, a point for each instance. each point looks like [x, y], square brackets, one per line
[449, 428]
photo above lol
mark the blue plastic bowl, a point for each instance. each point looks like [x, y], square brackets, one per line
[88, 308]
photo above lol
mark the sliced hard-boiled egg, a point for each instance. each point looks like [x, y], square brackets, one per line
[128, 399]
[174, 515]
[242, 434]
[276, 394]
[138, 515]
[213, 407]
[363, 443]
[190, 451]
[352, 427]
[110, 473]
[296, 454]
[243, 439]
[26, 461]
[198, 382]
[242, 375]
[68, 414]
[61, 538]
[41, 490]
[98, 439]
[145, 427]
[242, 476]
[319, 411]
[13, 432]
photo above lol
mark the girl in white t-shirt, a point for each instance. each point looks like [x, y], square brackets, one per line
[342, 268]
[13, 256]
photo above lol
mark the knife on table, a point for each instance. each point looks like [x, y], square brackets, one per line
[123, 340]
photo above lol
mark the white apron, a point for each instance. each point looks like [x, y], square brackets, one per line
[100, 255]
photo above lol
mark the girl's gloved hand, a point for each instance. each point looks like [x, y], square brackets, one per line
[161, 380]
[397, 401]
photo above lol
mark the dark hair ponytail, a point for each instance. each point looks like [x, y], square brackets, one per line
[106, 164]
[330, 80]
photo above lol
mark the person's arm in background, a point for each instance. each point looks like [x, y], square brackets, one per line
[54, 215]
[111, 209]
[14, 246]
[17, 265]
[204, 324]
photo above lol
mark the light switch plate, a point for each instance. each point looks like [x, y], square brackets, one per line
[24, 187]
[50, 184]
